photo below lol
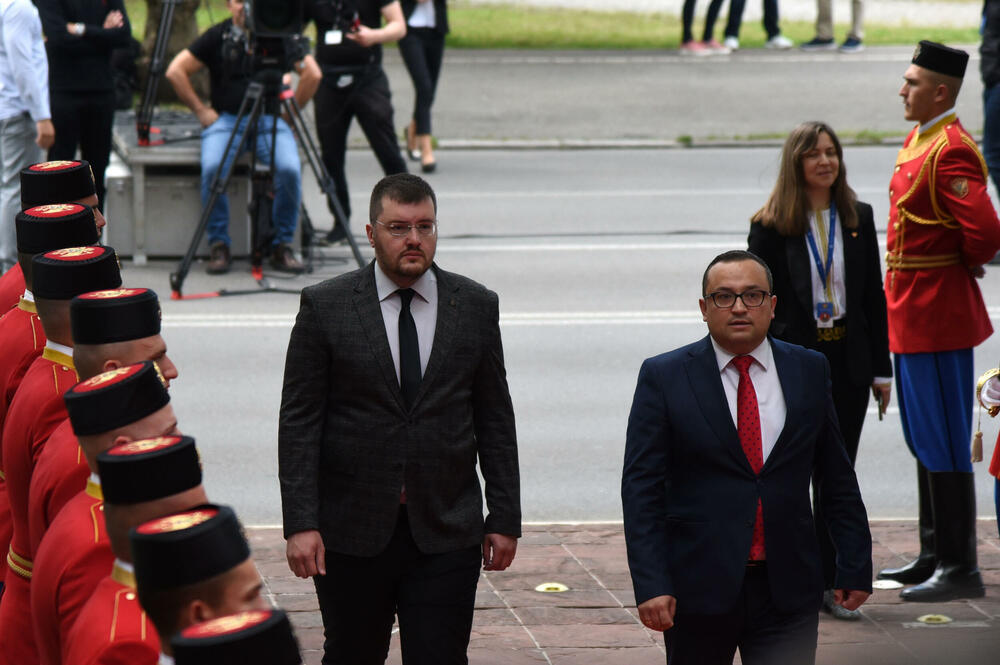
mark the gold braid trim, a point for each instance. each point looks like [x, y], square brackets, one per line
[21, 566]
[903, 262]
[982, 161]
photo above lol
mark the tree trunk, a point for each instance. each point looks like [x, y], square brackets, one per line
[183, 30]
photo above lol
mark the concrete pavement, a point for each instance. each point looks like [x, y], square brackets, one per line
[595, 621]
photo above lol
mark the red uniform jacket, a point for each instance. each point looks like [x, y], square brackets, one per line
[112, 629]
[11, 287]
[22, 340]
[36, 411]
[59, 475]
[73, 558]
[941, 223]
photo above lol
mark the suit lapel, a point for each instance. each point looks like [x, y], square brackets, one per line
[702, 369]
[791, 379]
[369, 310]
[797, 256]
[853, 265]
[444, 331]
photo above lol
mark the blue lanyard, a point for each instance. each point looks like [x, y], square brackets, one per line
[824, 271]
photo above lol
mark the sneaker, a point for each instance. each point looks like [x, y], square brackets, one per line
[779, 42]
[220, 260]
[838, 611]
[714, 46]
[694, 48]
[283, 259]
[852, 45]
[731, 43]
[817, 44]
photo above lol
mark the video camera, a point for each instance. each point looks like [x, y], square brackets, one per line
[275, 39]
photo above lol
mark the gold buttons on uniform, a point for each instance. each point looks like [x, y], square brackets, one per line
[897, 168]
[897, 226]
[130, 596]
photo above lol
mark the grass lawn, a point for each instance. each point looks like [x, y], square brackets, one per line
[504, 26]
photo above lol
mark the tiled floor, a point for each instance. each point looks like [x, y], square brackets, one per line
[595, 621]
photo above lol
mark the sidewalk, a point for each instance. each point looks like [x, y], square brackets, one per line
[595, 621]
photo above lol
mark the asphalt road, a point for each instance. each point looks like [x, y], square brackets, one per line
[597, 257]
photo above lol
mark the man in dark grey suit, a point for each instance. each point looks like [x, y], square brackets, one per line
[394, 386]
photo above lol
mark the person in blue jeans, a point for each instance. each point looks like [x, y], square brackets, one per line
[222, 49]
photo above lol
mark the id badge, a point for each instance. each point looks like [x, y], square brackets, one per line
[824, 314]
[333, 37]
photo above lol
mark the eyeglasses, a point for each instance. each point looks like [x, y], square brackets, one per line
[726, 299]
[402, 229]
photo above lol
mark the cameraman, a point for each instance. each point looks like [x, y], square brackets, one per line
[223, 49]
[349, 35]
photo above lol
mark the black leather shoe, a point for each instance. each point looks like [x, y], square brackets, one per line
[921, 568]
[283, 259]
[220, 260]
[429, 167]
[412, 153]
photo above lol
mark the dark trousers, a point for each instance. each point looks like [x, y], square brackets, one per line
[366, 98]
[764, 635]
[433, 596]
[423, 51]
[850, 401]
[736, 18]
[84, 119]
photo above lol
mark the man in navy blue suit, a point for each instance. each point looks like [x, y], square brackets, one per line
[723, 439]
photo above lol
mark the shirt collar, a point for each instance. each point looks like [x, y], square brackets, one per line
[61, 348]
[933, 121]
[29, 296]
[425, 287]
[762, 354]
[165, 659]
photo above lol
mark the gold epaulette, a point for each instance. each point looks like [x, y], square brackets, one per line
[904, 262]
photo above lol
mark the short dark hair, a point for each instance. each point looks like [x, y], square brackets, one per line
[165, 607]
[401, 188]
[735, 256]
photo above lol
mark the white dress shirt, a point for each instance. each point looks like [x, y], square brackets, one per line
[930, 123]
[24, 66]
[423, 307]
[837, 292]
[767, 385]
[423, 15]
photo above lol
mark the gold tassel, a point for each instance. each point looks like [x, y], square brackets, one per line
[977, 447]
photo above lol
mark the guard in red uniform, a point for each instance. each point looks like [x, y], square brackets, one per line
[41, 184]
[118, 406]
[22, 337]
[141, 480]
[942, 229]
[257, 637]
[194, 566]
[110, 329]
[37, 409]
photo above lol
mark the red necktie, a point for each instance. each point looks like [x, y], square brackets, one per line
[748, 428]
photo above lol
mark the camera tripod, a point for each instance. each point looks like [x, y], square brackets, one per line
[264, 95]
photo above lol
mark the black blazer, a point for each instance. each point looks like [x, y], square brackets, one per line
[347, 443]
[867, 323]
[440, 13]
[689, 495]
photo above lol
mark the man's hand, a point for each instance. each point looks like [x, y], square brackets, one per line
[658, 613]
[498, 551]
[364, 36]
[45, 134]
[882, 392]
[977, 271]
[850, 599]
[114, 19]
[306, 554]
[207, 116]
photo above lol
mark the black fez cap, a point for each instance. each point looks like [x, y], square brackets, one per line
[247, 638]
[64, 273]
[55, 226]
[56, 182]
[115, 398]
[941, 59]
[148, 469]
[187, 548]
[114, 315]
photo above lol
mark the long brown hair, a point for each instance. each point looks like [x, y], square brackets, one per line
[788, 208]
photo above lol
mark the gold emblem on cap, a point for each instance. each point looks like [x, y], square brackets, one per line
[106, 377]
[229, 624]
[55, 207]
[159, 375]
[916, 52]
[70, 252]
[146, 445]
[181, 522]
[112, 293]
[960, 186]
[55, 164]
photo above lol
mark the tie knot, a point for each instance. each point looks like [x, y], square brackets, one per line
[405, 296]
[742, 364]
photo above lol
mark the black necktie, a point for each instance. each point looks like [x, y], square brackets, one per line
[409, 350]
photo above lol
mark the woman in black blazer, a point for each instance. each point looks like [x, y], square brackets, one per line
[820, 244]
[423, 50]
